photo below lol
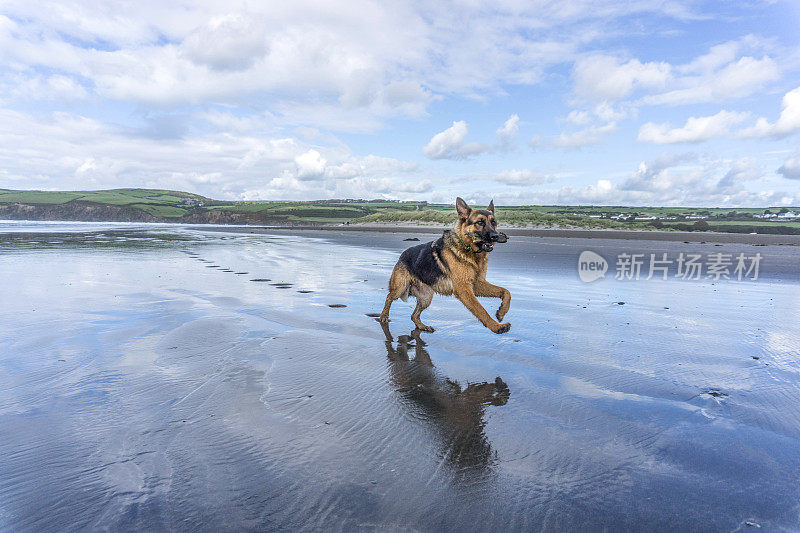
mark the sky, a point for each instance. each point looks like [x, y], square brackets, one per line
[637, 102]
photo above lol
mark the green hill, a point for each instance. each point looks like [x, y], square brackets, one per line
[177, 206]
[158, 205]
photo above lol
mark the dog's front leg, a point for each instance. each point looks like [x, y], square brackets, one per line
[484, 288]
[466, 295]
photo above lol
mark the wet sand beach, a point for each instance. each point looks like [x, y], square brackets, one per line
[157, 377]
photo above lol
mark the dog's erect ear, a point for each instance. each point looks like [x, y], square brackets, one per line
[491, 206]
[462, 208]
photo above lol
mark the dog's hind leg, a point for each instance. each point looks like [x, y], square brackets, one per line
[424, 294]
[399, 286]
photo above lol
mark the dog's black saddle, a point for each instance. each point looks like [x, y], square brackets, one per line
[423, 260]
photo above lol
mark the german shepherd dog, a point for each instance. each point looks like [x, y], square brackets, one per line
[454, 264]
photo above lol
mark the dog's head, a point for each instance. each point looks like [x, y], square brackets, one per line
[480, 225]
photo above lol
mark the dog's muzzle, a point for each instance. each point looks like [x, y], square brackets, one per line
[500, 237]
[485, 241]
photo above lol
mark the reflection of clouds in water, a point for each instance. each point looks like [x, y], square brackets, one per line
[310, 263]
[586, 389]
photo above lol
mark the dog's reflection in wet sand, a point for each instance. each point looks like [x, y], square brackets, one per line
[456, 412]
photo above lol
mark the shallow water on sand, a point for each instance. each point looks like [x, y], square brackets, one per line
[147, 383]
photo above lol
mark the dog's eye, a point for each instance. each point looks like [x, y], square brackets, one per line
[481, 223]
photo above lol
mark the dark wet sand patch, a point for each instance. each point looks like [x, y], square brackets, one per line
[373, 315]
[240, 273]
[261, 279]
[281, 284]
[212, 266]
[337, 306]
[304, 291]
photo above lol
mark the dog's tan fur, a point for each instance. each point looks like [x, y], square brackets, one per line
[464, 273]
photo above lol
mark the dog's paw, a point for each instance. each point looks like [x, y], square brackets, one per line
[425, 328]
[383, 319]
[501, 328]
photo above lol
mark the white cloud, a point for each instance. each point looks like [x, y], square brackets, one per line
[370, 165]
[584, 137]
[603, 77]
[310, 164]
[741, 171]
[67, 151]
[686, 179]
[228, 87]
[737, 79]
[507, 133]
[787, 123]
[579, 117]
[696, 129]
[657, 174]
[607, 113]
[717, 57]
[669, 180]
[724, 72]
[231, 42]
[597, 122]
[520, 178]
[377, 59]
[43, 88]
[791, 167]
[414, 186]
[449, 144]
